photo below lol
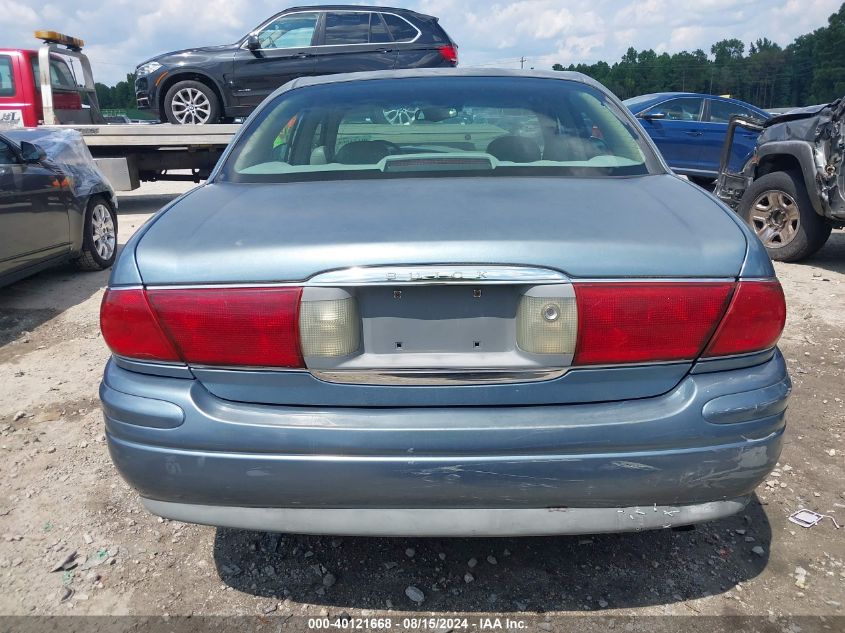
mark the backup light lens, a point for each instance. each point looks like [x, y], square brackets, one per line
[329, 329]
[547, 325]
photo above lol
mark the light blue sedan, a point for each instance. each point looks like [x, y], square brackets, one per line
[522, 323]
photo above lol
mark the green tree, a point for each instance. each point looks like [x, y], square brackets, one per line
[810, 70]
[121, 96]
[829, 75]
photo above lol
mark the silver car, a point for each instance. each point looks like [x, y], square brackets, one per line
[448, 327]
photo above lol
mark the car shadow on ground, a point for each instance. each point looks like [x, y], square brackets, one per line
[143, 204]
[506, 575]
[832, 255]
[30, 302]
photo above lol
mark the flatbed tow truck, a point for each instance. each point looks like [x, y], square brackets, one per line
[39, 88]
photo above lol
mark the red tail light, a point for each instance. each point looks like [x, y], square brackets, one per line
[450, 53]
[618, 323]
[244, 327]
[256, 327]
[646, 322]
[130, 329]
[754, 322]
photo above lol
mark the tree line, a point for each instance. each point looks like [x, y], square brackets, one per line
[809, 71]
[121, 96]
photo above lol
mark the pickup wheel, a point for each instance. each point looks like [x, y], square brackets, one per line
[779, 210]
[191, 103]
[99, 238]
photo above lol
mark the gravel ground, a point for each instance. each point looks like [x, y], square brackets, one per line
[64, 507]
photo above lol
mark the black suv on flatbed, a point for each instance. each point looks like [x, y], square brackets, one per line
[206, 85]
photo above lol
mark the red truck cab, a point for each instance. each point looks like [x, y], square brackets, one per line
[21, 101]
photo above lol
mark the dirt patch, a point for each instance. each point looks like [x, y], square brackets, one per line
[16, 324]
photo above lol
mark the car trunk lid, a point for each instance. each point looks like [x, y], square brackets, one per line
[653, 226]
[437, 270]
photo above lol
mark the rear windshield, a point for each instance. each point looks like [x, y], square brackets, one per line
[7, 79]
[417, 127]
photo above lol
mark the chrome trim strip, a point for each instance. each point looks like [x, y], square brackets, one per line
[755, 279]
[254, 368]
[362, 275]
[382, 44]
[654, 280]
[704, 106]
[159, 368]
[436, 377]
[227, 286]
[707, 365]
[438, 274]
[323, 10]
[151, 363]
[762, 352]
[553, 373]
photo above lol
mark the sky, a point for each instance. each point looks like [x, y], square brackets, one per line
[119, 34]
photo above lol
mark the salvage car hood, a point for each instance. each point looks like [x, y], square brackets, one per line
[796, 114]
[803, 124]
[588, 228]
[820, 128]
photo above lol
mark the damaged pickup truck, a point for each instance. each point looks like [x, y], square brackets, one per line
[791, 190]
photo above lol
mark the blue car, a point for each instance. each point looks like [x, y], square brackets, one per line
[523, 323]
[689, 129]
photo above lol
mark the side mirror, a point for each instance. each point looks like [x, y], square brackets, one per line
[32, 153]
[252, 43]
[653, 116]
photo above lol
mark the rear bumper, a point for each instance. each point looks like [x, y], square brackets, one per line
[438, 522]
[195, 457]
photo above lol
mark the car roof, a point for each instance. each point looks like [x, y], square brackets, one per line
[661, 95]
[412, 73]
[352, 7]
[656, 96]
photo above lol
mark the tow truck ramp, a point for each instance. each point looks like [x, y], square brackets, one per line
[130, 153]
